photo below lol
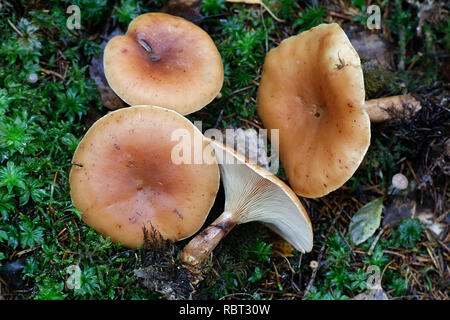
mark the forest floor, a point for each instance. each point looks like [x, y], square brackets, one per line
[49, 97]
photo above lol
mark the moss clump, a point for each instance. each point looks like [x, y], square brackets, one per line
[377, 81]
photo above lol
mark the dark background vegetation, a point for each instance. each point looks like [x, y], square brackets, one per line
[48, 100]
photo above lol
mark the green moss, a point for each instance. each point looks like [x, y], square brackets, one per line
[377, 81]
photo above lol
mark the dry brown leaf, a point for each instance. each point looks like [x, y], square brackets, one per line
[187, 9]
[281, 247]
[108, 97]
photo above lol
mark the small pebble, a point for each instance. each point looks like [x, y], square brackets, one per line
[399, 181]
[32, 78]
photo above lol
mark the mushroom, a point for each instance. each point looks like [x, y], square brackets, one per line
[166, 61]
[123, 177]
[251, 194]
[312, 90]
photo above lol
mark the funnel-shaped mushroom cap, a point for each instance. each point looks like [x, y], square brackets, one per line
[166, 61]
[254, 194]
[123, 177]
[312, 90]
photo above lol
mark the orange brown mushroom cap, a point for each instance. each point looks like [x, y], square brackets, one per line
[312, 90]
[166, 61]
[123, 177]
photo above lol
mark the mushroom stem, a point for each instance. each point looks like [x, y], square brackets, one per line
[196, 252]
[382, 109]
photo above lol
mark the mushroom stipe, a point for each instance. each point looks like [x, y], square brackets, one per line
[251, 194]
[394, 107]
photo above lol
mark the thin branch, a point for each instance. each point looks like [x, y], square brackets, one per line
[15, 28]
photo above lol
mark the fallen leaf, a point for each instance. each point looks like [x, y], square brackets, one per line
[428, 218]
[402, 209]
[280, 247]
[187, 9]
[283, 248]
[108, 97]
[366, 221]
[399, 210]
[372, 47]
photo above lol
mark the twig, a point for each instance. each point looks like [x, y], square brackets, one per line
[21, 253]
[236, 294]
[219, 119]
[271, 13]
[265, 31]
[374, 243]
[314, 272]
[241, 89]
[443, 245]
[394, 253]
[277, 275]
[340, 15]
[260, 3]
[251, 123]
[300, 274]
[52, 73]
[346, 243]
[319, 257]
[433, 258]
[385, 268]
[15, 28]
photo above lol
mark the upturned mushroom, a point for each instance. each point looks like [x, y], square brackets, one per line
[123, 178]
[312, 90]
[166, 61]
[251, 194]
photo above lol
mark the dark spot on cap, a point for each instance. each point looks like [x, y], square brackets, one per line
[178, 213]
